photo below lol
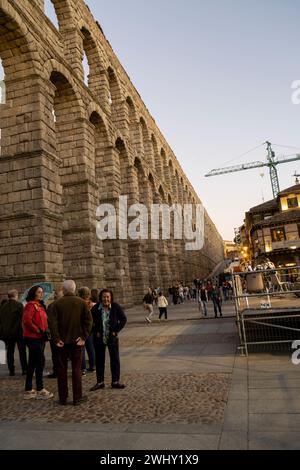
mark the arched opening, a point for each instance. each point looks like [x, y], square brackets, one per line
[50, 12]
[114, 94]
[2, 92]
[99, 146]
[147, 148]
[157, 159]
[91, 62]
[66, 141]
[132, 122]
[123, 166]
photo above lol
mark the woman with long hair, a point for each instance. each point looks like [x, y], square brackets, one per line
[35, 325]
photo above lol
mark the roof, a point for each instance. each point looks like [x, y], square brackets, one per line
[280, 217]
[273, 203]
[292, 189]
[266, 206]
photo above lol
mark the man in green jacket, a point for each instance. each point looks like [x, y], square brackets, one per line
[70, 323]
[11, 331]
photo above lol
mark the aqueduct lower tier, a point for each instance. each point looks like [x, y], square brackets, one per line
[67, 145]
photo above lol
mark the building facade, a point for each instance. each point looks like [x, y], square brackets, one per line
[272, 229]
[69, 144]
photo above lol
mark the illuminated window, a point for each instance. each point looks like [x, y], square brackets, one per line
[292, 202]
[278, 234]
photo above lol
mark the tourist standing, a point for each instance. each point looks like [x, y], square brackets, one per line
[108, 320]
[35, 325]
[58, 294]
[71, 324]
[162, 306]
[203, 299]
[216, 299]
[85, 294]
[11, 333]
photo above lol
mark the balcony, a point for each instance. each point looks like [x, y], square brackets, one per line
[286, 244]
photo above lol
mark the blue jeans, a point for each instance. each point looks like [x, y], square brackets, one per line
[89, 347]
[204, 307]
[36, 362]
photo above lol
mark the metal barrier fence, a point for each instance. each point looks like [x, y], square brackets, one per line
[267, 304]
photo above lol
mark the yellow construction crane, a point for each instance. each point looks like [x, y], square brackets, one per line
[271, 163]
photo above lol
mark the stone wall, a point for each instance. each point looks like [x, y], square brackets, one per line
[66, 147]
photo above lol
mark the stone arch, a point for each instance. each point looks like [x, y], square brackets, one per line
[133, 132]
[147, 148]
[63, 12]
[67, 142]
[114, 97]
[166, 170]
[20, 64]
[90, 49]
[157, 158]
[161, 192]
[99, 147]
[52, 66]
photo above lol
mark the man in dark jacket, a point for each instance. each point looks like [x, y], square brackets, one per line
[70, 323]
[109, 319]
[11, 331]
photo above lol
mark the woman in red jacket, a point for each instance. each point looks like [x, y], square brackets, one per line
[35, 324]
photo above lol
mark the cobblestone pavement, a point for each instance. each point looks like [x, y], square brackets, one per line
[181, 398]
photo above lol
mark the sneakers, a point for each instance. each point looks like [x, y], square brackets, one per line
[148, 320]
[44, 394]
[83, 372]
[29, 394]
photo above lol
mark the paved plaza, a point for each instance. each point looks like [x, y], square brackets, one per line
[187, 388]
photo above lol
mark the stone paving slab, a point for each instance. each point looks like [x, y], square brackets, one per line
[274, 422]
[234, 440]
[274, 406]
[286, 440]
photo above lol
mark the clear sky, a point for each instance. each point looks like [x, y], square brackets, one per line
[216, 76]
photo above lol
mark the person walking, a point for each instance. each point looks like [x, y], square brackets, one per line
[108, 320]
[148, 305]
[203, 299]
[35, 325]
[162, 306]
[71, 324]
[11, 333]
[85, 294]
[216, 299]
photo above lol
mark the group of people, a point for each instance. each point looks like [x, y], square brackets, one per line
[202, 291]
[72, 323]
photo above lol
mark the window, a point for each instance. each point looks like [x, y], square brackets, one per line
[278, 234]
[292, 202]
